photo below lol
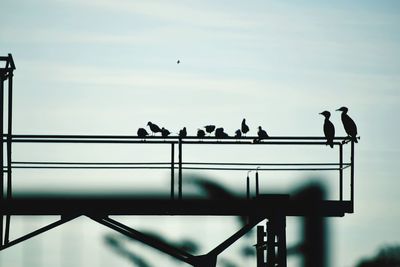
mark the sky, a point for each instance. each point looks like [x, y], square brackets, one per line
[108, 67]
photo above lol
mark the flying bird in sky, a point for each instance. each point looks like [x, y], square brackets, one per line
[329, 129]
[349, 125]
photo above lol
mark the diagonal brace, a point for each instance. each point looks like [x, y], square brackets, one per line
[39, 231]
[148, 240]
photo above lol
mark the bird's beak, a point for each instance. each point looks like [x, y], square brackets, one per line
[320, 113]
[338, 109]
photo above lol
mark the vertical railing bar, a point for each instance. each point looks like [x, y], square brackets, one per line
[9, 142]
[248, 186]
[9, 137]
[352, 176]
[180, 169]
[172, 170]
[341, 171]
[257, 185]
[1, 154]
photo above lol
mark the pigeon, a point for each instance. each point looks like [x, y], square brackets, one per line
[329, 129]
[245, 128]
[219, 133]
[349, 125]
[200, 133]
[142, 133]
[153, 127]
[238, 133]
[164, 132]
[262, 134]
[209, 128]
[183, 133]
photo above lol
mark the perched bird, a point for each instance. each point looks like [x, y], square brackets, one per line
[245, 128]
[153, 127]
[262, 133]
[219, 133]
[183, 133]
[349, 125]
[209, 128]
[238, 133]
[200, 133]
[142, 133]
[329, 129]
[164, 132]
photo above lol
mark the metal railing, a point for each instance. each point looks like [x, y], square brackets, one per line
[179, 165]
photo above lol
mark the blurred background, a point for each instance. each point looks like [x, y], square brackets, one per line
[109, 67]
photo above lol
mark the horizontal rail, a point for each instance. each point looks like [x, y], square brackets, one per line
[187, 163]
[177, 168]
[52, 136]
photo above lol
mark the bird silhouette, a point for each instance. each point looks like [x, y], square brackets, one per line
[262, 134]
[177, 62]
[329, 129]
[244, 127]
[209, 128]
[183, 133]
[200, 133]
[142, 133]
[349, 125]
[219, 133]
[238, 133]
[154, 127]
[165, 132]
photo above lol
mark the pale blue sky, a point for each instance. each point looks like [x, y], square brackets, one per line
[107, 67]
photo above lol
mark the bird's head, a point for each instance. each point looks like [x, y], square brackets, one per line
[343, 109]
[259, 128]
[149, 123]
[326, 114]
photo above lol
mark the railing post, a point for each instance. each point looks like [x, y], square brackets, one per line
[180, 168]
[341, 172]
[9, 145]
[172, 170]
[352, 176]
[248, 185]
[1, 154]
[257, 185]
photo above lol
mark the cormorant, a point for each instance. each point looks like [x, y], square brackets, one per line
[238, 133]
[329, 129]
[164, 132]
[209, 128]
[183, 133]
[153, 127]
[200, 133]
[349, 125]
[245, 128]
[142, 133]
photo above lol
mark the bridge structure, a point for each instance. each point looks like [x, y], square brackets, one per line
[268, 211]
